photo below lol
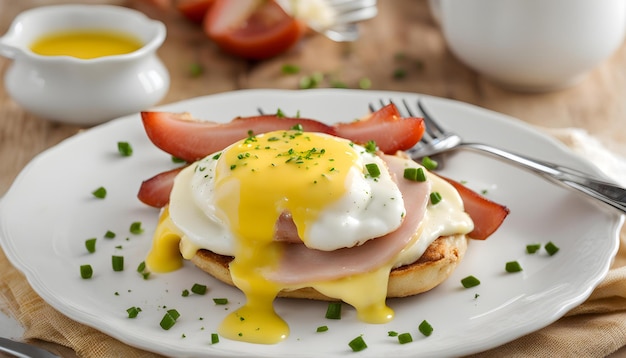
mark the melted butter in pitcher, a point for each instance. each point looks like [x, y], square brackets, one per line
[86, 44]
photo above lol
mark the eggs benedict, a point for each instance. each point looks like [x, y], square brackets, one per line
[310, 215]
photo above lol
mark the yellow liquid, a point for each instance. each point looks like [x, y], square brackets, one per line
[86, 44]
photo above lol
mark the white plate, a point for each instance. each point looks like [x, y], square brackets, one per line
[49, 212]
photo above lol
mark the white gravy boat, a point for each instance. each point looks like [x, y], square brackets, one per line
[84, 91]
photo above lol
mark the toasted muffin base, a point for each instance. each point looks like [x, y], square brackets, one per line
[433, 267]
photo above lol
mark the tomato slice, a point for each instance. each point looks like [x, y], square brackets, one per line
[386, 127]
[194, 10]
[253, 29]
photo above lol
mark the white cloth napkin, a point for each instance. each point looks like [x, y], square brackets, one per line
[590, 148]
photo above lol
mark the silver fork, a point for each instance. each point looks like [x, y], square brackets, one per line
[438, 140]
[347, 15]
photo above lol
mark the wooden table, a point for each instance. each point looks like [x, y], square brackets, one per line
[403, 36]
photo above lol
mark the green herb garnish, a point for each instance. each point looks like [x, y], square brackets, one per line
[198, 289]
[196, 70]
[415, 174]
[220, 301]
[321, 329]
[133, 312]
[531, 249]
[513, 266]
[429, 163]
[470, 281]
[169, 319]
[215, 338]
[334, 310]
[373, 170]
[86, 271]
[109, 234]
[425, 328]
[405, 338]
[100, 193]
[358, 344]
[435, 197]
[117, 262]
[551, 248]
[135, 228]
[125, 149]
[290, 69]
[90, 245]
[365, 83]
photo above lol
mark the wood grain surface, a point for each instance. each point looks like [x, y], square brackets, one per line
[402, 37]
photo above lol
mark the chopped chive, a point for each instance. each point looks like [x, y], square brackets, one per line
[90, 244]
[513, 266]
[425, 328]
[435, 197]
[312, 81]
[133, 312]
[290, 69]
[338, 84]
[217, 156]
[334, 310]
[405, 338]
[177, 160]
[117, 262]
[215, 338]
[195, 70]
[414, 174]
[358, 344]
[321, 329]
[185, 293]
[410, 174]
[373, 170]
[429, 163]
[198, 289]
[135, 228]
[141, 267]
[365, 83]
[100, 193]
[370, 146]
[392, 334]
[125, 149]
[280, 113]
[298, 127]
[470, 281]
[531, 249]
[169, 319]
[551, 248]
[399, 73]
[86, 271]
[220, 301]
[109, 234]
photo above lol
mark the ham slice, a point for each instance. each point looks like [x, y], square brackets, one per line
[300, 264]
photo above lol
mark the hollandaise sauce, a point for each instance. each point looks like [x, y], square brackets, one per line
[305, 176]
[86, 44]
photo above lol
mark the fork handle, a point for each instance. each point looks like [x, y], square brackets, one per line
[604, 191]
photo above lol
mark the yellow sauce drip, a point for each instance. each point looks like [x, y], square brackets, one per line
[165, 253]
[365, 292]
[86, 44]
[284, 170]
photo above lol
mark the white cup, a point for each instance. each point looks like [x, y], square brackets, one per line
[532, 45]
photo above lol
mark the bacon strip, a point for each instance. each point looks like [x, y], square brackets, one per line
[184, 137]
